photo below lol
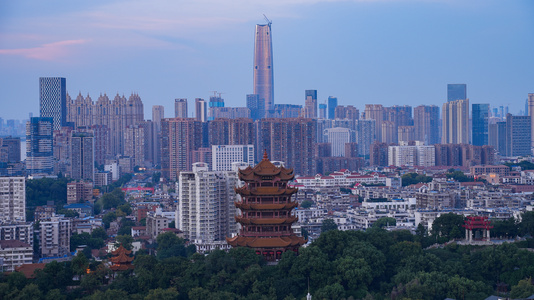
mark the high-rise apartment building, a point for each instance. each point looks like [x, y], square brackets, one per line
[310, 106]
[338, 137]
[418, 155]
[497, 137]
[12, 199]
[80, 111]
[82, 156]
[322, 111]
[158, 113]
[134, 143]
[332, 104]
[216, 102]
[426, 124]
[179, 137]
[263, 66]
[406, 134]
[291, 140]
[10, 149]
[206, 205]
[456, 91]
[375, 112]
[223, 156]
[53, 100]
[346, 112]
[39, 150]
[54, 236]
[256, 106]
[180, 108]
[479, 120]
[455, 116]
[531, 115]
[518, 138]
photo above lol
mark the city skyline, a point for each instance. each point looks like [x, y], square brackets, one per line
[372, 52]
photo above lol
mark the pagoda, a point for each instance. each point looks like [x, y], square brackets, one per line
[121, 259]
[266, 207]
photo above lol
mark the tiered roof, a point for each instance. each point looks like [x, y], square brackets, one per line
[121, 259]
[265, 168]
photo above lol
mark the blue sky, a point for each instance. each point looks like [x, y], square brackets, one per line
[382, 51]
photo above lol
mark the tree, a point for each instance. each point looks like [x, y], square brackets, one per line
[306, 204]
[68, 213]
[523, 289]
[448, 226]
[163, 294]
[385, 221]
[328, 224]
[304, 232]
[99, 233]
[505, 228]
[124, 240]
[526, 227]
[414, 178]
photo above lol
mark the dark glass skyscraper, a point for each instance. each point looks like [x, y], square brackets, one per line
[480, 115]
[456, 91]
[263, 66]
[332, 104]
[39, 146]
[53, 100]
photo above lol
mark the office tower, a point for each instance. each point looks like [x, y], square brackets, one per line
[10, 149]
[497, 137]
[290, 140]
[456, 92]
[223, 156]
[39, 150]
[426, 124]
[346, 112]
[201, 110]
[375, 112]
[338, 137]
[332, 104]
[310, 106]
[455, 116]
[82, 156]
[518, 135]
[322, 111]
[179, 137]
[134, 144]
[180, 108]
[479, 119]
[263, 66]
[531, 115]
[206, 205]
[256, 106]
[53, 100]
[406, 134]
[12, 199]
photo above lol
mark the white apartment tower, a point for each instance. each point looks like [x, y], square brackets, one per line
[12, 199]
[338, 137]
[224, 155]
[206, 207]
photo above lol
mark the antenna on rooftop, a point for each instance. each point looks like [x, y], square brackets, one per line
[269, 22]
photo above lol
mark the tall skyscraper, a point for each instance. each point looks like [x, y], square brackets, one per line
[455, 116]
[179, 138]
[332, 104]
[201, 110]
[180, 108]
[53, 100]
[310, 106]
[256, 106]
[39, 150]
[158, 113]
[82, 156]
[12, 199]
[480, 117]
[263, 66]
[215, 103]
[531, 115]
[456, 91]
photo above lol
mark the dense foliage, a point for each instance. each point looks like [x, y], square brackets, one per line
[414, 178]
[40, 191]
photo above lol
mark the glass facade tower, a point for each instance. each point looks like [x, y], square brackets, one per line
[480, 115]
[263, 66]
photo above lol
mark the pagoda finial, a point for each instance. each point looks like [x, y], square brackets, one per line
[265, 157]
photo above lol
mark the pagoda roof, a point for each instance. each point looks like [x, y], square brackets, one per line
[266, 221]
[120, 250]
[265, 168]
[278, 206]
[257, 242]
[265, 190]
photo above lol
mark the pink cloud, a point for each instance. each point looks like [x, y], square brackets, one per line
[51, 51]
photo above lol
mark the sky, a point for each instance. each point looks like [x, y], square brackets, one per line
[390, 52]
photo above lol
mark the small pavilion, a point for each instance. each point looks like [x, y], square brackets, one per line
[477, 223]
